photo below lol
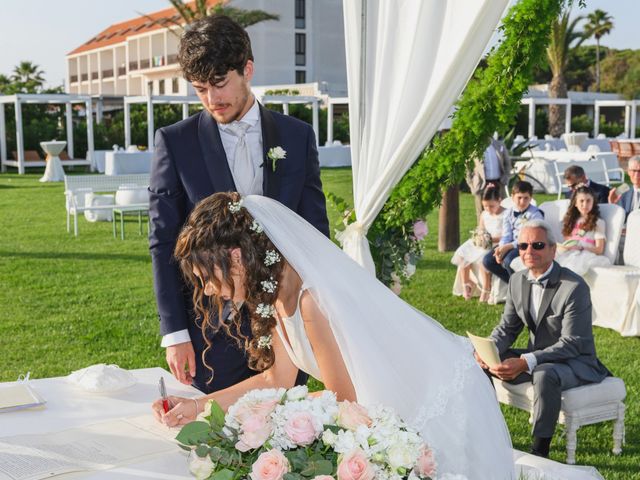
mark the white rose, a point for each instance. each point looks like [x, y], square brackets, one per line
[279, 152]
[206, 412]
[345, 442]
[329, 438]
[400, 456]
[297, 393]
[200, 467]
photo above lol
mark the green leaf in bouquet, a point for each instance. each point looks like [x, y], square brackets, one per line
[297, 458]
[215, 454]
[202, 450]
[184, 447]
[216, 419]
[317, 467]
[224, 474]
[193, 433]
[293, 476]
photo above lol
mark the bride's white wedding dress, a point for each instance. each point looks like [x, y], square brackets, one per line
[395, 355]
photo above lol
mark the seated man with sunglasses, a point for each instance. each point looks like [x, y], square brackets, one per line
[555, 305]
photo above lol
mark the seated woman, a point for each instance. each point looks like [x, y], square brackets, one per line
[473, 250]
[584, 233]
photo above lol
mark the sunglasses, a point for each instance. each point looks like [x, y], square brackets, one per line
[535, 245]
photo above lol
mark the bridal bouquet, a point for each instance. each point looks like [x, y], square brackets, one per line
[481, 238]
[279, 434]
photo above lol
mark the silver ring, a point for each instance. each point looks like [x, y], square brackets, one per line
[179, 416]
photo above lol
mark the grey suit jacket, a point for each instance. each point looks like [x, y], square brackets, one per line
[562, 333]
[626, 201]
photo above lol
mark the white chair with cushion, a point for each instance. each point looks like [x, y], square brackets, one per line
[615, 290]
[585, 405]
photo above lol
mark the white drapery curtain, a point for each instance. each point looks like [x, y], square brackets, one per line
[407, 63]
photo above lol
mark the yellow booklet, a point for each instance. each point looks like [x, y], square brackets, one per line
[486, 349]
[18, 396]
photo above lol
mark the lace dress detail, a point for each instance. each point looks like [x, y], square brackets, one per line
[297, 345]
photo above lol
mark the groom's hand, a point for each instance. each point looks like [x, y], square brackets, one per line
[510, 368]
[181, 359]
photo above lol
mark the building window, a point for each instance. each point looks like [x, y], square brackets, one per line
[301, 49]
[300, 13]
[301, 76]
[175, 85]
[161, 87]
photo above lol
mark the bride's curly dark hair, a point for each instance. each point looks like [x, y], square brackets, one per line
[215, 226]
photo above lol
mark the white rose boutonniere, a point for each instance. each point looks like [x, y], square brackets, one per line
[274, 154]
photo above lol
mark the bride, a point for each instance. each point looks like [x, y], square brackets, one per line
[313, 308]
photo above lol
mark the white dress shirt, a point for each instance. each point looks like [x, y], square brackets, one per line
[491, 164]
[229, 141]
[536, 299]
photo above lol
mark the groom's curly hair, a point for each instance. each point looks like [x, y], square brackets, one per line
[212, 230]
[213, 46]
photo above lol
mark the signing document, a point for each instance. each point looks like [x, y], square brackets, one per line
[486, 349]
[94, 447]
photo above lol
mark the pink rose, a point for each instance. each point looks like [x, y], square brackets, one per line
[351, 415]
[301, 429]
[355, 466]
[420, 229]
[426, 464]
[264, 409]
[271, 465]
[255, 431]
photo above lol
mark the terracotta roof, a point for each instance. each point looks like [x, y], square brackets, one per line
[118, 32]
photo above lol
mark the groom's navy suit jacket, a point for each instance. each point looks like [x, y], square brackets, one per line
[190, 164]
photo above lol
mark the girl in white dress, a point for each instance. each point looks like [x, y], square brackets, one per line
[584, 234]
[470, 253]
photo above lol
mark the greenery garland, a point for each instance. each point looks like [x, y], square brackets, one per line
[490, 103]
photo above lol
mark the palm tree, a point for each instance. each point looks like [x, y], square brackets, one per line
[200, 8]
[599, 24]
[27, 77]
[563, 38]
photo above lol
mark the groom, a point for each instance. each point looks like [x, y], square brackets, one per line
[226, 147]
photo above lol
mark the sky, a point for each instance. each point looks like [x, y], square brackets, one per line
[44, 31]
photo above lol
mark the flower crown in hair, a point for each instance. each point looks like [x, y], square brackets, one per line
[234, 207]
[265, 342]
[580, 185]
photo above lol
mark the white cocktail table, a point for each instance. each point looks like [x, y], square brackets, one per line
[53, 172]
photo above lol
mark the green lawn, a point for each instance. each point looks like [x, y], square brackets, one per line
[71, 302]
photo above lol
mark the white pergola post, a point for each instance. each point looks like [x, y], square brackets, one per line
[185, 111]
[90, 148]
[150, 129]
[634, 107]
[99, 109]
[627, 119]
[567, 118]
[69, 119]
[596, 120]
[285, 108]
[316, 122]
[329, 123]
[532, 118]
[19, 136]
[3, 140]
[127, 124]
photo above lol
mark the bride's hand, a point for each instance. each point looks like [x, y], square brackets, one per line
[183, 411]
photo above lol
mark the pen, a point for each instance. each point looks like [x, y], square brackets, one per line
[163, 394]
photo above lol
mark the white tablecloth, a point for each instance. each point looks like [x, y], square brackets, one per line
[121, 163]
[69, 407]
[335, 156]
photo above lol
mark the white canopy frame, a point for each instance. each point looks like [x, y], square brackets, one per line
[27, 98]
[150, 101]
[533, 102]
[630, 115]
[330, 103]
[286, 100]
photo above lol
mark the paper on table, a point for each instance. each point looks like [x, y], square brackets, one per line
[18, 396]
[94, 447]
[486, 349]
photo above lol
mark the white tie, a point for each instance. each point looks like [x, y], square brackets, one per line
[243, 170]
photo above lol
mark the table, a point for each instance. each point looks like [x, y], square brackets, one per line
[140, 209]
[335, 156]
[69, 407]
[120, 163]
[53, 172]
[575, 138]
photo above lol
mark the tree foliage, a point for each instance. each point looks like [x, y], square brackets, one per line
[599, 23]
[490, 103]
